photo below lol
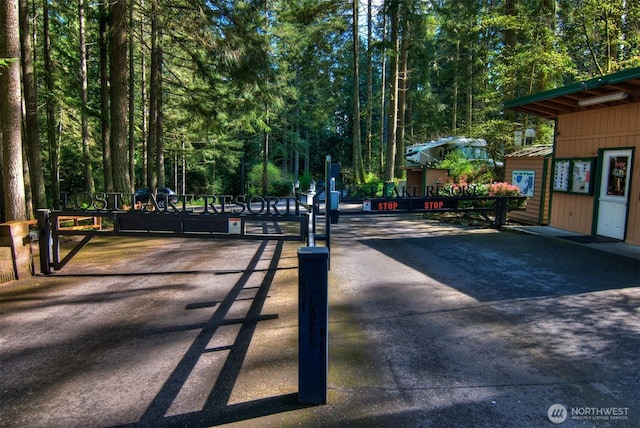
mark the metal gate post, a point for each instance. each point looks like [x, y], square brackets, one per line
[313, 324]
[502, 204]
[44, 240]
[327, 201]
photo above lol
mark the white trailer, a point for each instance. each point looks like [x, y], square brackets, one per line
[432, 152]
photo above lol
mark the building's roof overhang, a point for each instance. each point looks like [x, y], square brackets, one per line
[621, 88]
[532, 151]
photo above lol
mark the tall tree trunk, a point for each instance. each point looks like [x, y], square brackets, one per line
[143, 101]
[392, 126]
[50, 105]
[160, 117]
[265, 161]
[403, 83]
[369, 130]
[32, 144]
[84, 97]
[456, 87]
[510, 40]
[383, 93]
[470, 89]
[358, 166]
[132, 104]
[307, 152]
[2, 216]
[267, 132]
[27, 179]
[11, 104]
[152, 136]
[104, 97]
[119, 105]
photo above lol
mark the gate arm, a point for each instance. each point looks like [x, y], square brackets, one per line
[79, 246]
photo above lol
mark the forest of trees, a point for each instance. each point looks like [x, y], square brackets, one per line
[205, 96]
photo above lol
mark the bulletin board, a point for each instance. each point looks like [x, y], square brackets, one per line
[574, 175]
[561, 170]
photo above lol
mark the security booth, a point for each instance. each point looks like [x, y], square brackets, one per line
[530, 170]
[595, 176]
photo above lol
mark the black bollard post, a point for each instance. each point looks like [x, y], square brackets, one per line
[313, 324]
[44, 240]
[501, 211]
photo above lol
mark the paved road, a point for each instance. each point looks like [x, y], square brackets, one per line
[430, 325]
[483, 328]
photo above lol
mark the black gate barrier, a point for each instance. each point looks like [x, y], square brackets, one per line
[163, 224]
[498, 205]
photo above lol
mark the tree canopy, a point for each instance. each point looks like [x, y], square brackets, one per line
[195, 95]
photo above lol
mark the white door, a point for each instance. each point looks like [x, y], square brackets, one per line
[614, 193]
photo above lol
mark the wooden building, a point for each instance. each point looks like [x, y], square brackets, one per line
[530, 170]
[595, 181]
[420, 179]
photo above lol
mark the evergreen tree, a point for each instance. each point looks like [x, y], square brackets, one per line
[10, 113]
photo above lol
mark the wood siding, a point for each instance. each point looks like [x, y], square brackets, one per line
[416, 179]
[537, 206]
[583, 135]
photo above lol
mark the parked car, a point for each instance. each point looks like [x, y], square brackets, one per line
[142, 195]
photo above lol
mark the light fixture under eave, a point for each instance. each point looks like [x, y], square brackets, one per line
[617, 96]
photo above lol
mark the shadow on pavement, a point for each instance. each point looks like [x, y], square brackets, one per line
[216, 409]
[504, 266]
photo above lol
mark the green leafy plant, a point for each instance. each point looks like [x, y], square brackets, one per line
[279, 184]
[305, 181]
[458, 165]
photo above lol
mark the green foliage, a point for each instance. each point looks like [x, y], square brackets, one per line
[199, 182]
[279, 184]
[371, 177]
[235, 73]
[71, 177]
[305, 181]
[4, 62]
[460, 168]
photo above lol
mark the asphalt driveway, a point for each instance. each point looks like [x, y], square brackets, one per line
[431, 325]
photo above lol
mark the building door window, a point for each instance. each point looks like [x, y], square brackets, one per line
[614, 193]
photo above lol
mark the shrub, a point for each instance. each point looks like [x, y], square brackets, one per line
[503, 189]
[305, 181]
[278, 184]
[458, 165]
[506, 189]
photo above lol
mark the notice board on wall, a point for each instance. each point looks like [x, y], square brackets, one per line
[573, 175]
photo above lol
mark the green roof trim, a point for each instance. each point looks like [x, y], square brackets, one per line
[611, 79]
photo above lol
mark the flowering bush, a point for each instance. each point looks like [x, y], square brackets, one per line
[503, 189]
[506, 189]
[462, 188]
